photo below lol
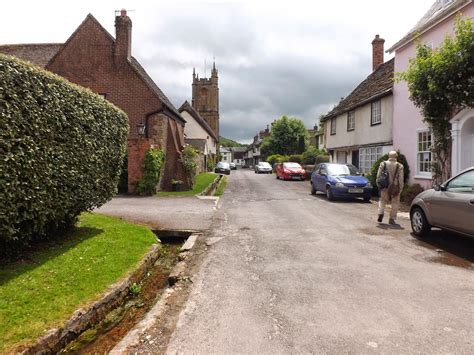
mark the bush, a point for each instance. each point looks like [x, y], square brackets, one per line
[151, 169]
[372, 177]
[62, 148]
[310, 155]
[321, 159]
[296, 158]
[190, 162]
[276, 158]
[409, 193]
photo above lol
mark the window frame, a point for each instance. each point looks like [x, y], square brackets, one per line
[373, 112]
[333, 126]
[368, 156]
[429, 141]
[350, 114]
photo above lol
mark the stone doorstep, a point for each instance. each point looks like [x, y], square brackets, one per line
[82, 319]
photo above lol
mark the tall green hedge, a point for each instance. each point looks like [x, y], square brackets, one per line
[61, 150]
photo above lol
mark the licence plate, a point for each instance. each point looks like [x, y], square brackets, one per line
[296, 177]
[356, 191]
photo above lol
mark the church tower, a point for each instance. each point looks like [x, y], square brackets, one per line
[206, 98]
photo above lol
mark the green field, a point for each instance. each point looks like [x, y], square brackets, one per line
[202, 181]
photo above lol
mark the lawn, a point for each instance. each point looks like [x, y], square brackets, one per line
[220, 189]
[43, 290]
[202, 181]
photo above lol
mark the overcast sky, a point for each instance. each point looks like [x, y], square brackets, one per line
[291, 57]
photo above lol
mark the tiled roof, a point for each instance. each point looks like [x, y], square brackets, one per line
[186, 106]
[377, 84]
[435, 13]
[39, 54]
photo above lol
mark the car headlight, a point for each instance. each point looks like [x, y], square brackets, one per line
[339, 184]
[368, 185]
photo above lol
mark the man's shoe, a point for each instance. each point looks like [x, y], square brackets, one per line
[392, 222]
[380, 218]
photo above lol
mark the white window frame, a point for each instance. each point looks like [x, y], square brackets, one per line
[423, 168]
[368, 156]
[376, 113]
[351, 120]
[333, 126]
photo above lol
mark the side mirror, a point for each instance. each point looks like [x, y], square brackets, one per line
[439, 187]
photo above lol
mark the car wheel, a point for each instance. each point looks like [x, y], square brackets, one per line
[419, 223]
[367, 198]
[313, 189]
[329, 193]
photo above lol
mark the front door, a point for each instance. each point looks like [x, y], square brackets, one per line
[355, 158]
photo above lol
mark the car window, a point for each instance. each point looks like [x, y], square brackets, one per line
[352, 169]
[463, 183]
[338, 170]
[323, 170]
[292, 165]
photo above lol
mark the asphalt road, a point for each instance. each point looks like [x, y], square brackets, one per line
[291, 272]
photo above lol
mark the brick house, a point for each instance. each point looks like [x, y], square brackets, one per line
[92, 58]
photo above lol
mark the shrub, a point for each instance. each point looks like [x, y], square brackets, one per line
[210, 164]
[62, 148]
[321, 159]
[189, 160]
[310, 155]
[276, 158]
[296, 158]
[372, 177]
[409, 193]
[151, 169]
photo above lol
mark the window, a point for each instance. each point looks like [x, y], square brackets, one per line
[351, 120]
[463, 183]
[104, 96]
[376, 113]
[367, 157]
[424, 153]
[333, 125]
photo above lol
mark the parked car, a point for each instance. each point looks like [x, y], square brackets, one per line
[290, 171]
[263, 167]
[337, 181]
[233, 166]
[448, 206]
[222, 168]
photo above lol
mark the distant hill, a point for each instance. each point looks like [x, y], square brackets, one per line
[224, 142]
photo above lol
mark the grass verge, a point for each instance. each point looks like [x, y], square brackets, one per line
[202, 181]
[42, 291]
[220, 189]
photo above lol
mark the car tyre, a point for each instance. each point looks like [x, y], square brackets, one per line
[329, 193]
[367, 198]
[313, 189]
[419, 223]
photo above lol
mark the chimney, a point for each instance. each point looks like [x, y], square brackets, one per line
[123, 37]
[377, 52]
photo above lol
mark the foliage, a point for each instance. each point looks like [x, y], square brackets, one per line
[202, 181]
[58, 278]
[321, 159]
[441, 83]
[409, 192]
[372, 177]
[296, 158]
[134, 289]
[309, 155]
[210, 164]
[123, 180]
[276, 158]
[151, 169]
[287, 136]
[62, 148]
[225, 142]
[221, 188]
[189, 160]
[176, 182]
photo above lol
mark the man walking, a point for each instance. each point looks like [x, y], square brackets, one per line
[390, 181]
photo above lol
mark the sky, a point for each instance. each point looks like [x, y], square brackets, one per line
[295, 58]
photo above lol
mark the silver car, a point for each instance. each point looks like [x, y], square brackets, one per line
[263, 167]
[449, 206]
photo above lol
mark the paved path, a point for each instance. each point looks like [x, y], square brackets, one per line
[294, 273]
[183, 213]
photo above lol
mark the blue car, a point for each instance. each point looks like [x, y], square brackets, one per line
[337, 181]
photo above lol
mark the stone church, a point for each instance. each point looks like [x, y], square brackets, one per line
[205, 98]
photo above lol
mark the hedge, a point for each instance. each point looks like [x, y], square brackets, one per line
[372, 177]
[61, 149]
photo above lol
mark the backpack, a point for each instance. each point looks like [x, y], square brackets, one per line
[383, 180]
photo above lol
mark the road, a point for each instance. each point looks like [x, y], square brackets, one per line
[291, 272]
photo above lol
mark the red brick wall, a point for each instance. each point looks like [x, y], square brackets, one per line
[137, 148]
[88, 59]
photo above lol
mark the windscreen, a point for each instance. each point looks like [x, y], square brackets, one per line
[338, 169]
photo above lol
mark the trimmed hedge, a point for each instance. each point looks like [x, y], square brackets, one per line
[372, 177]
[61, 149]
[152, 165]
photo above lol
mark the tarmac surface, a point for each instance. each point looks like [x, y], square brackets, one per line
[288, 272]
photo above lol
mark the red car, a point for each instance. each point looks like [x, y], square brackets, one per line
[290, 171]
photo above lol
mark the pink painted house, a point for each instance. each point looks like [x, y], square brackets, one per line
[410, 134]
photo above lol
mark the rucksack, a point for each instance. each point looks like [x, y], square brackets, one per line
[383, 180]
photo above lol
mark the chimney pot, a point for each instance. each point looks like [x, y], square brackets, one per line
[377, 52]
[123, 12]
[123, 37]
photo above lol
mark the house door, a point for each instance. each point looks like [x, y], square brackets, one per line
[355, 158]
[467, 144]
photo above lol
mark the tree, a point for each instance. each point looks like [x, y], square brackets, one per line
[287, 136]
[441, 83]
